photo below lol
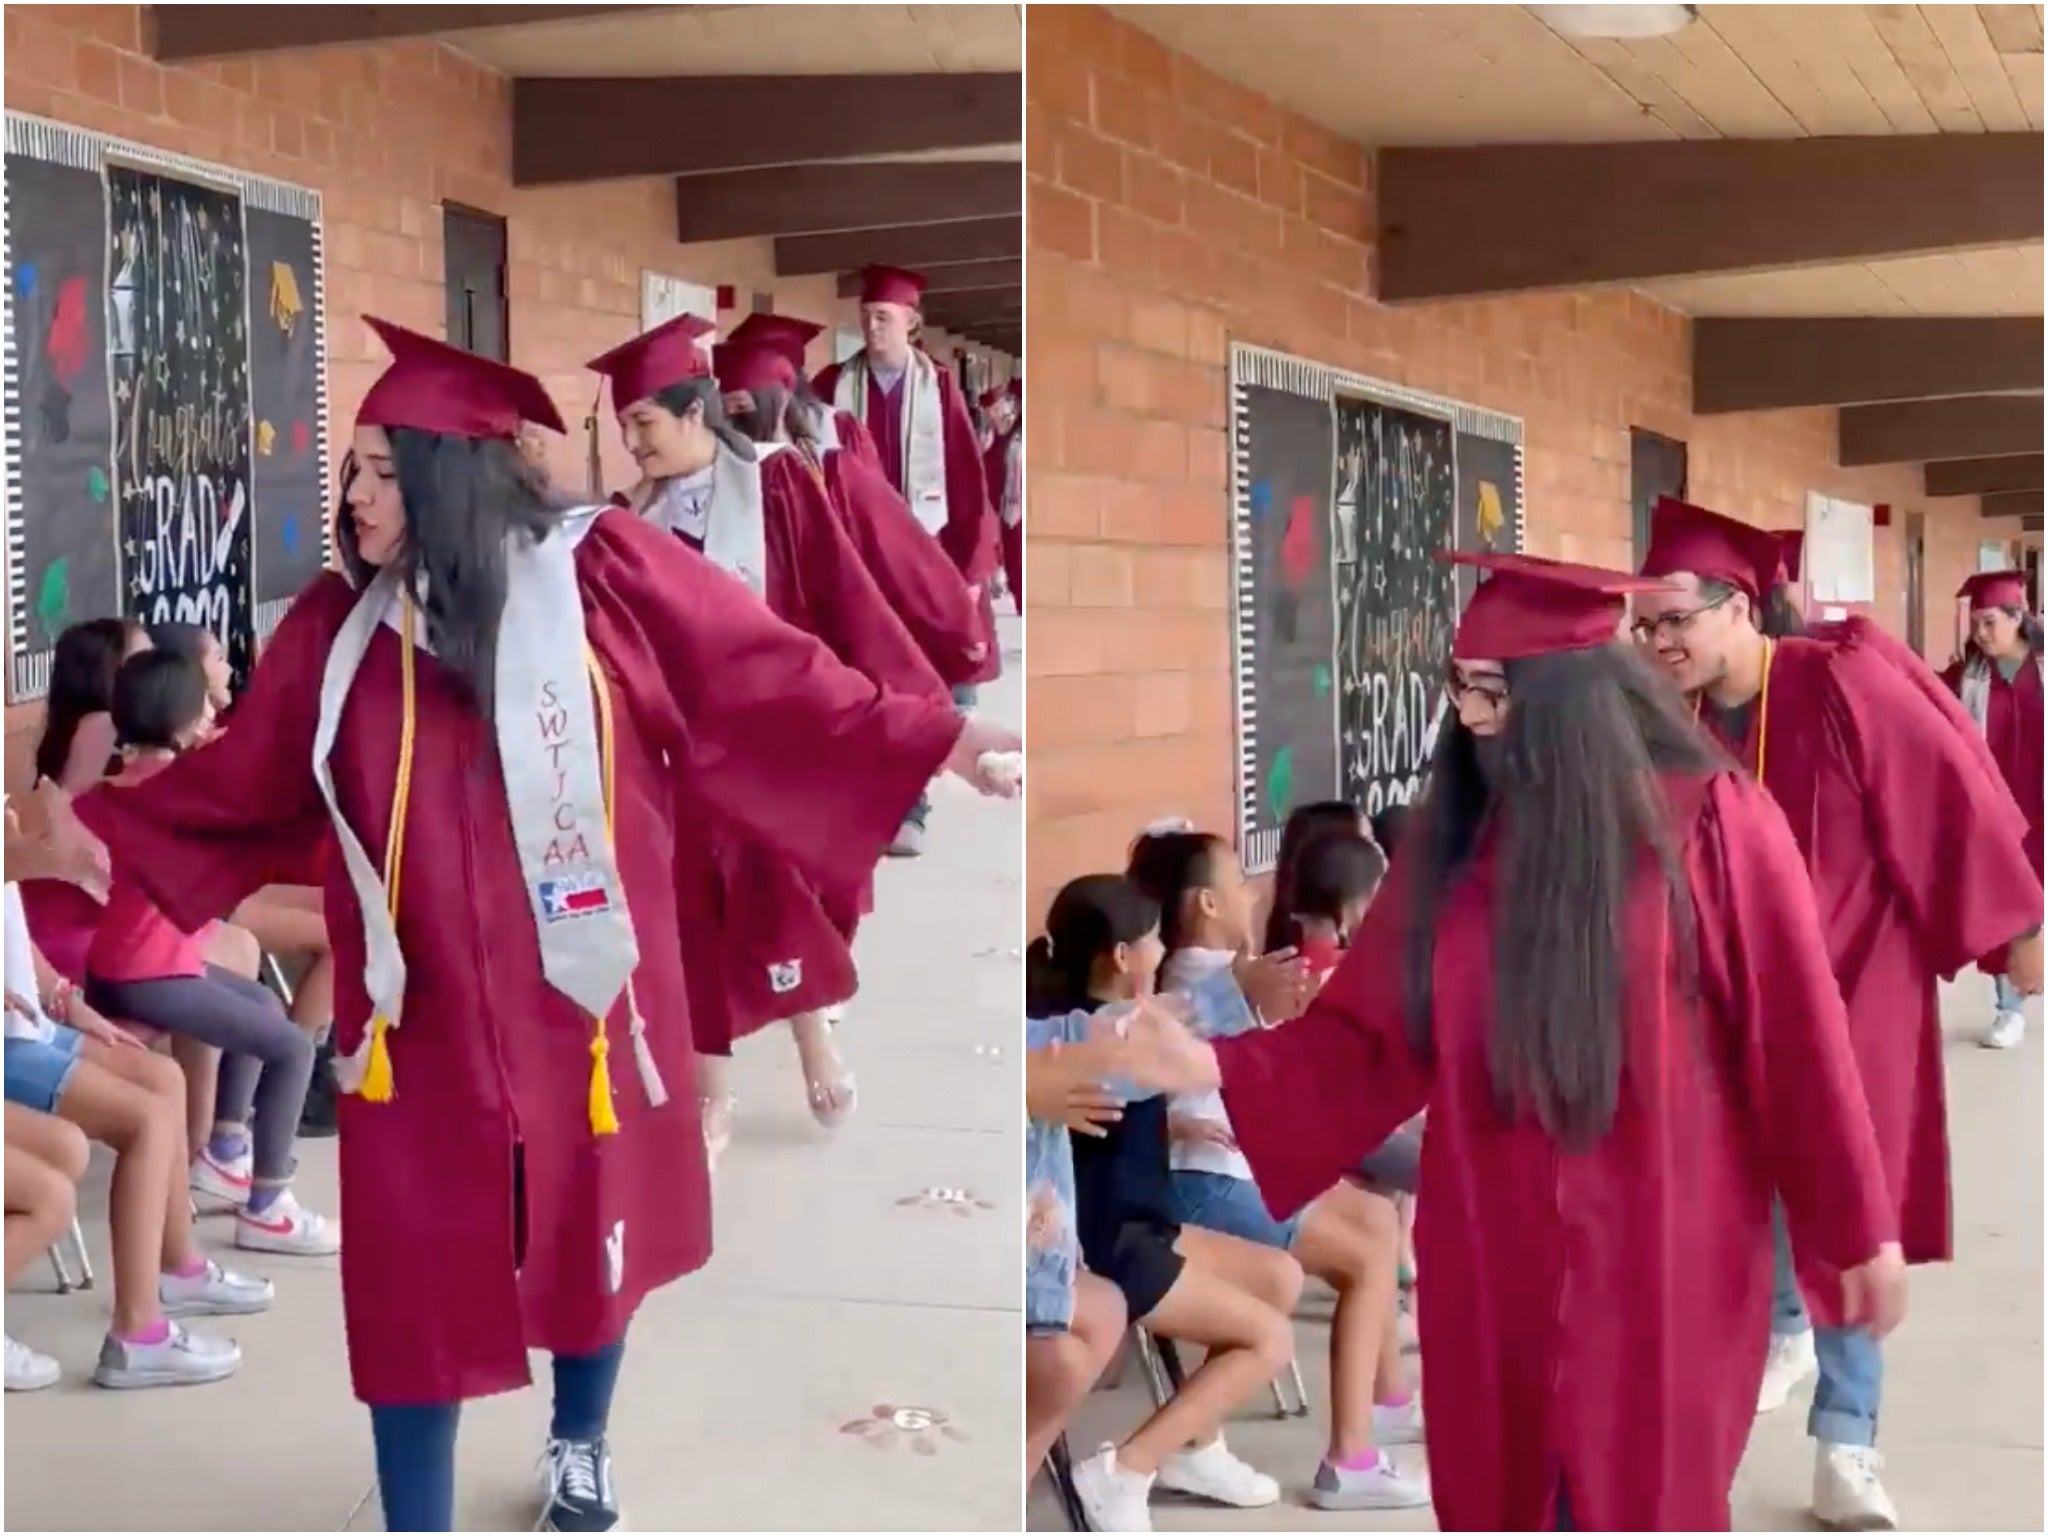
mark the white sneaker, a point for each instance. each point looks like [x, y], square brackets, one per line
[28, 1371]
[1216, 1473]
[1380, 1487]
[1790, 1362]
[287, 1227]
[219, 1187]
[2007, 1031]
[213, 1292]
[1115, 1500]
[1846, 1493]
[183, 1359]
[1400, 1425]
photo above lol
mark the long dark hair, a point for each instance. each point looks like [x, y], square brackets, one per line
[778, 408]
[1166, 866]
[1087, 920]
[462, 496]
[2030, 632]
[82, 671]
[192, 641]
[1574, 777]
[158, 696]
[1305, 823]
[703, 391]
[1333, 871]
[1774, 614]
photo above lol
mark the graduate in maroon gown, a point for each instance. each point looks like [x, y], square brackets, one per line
[925, 440]
[1998, 680]
[567, 693]
[1003, 463]
[1915, 850]
[760, 369]
[766, 943]
[1596, 964]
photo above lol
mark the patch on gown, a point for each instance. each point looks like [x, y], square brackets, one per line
[786, 977]
[570, 896]
[615, 1256]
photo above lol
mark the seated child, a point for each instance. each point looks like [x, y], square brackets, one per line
[45, 1161]
[141, 967]
[1347, 1237]
[1100, 949]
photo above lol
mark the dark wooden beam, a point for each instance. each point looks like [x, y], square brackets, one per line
[953, 277]
[184, 34]
[2030, 525]
[1767, 365]
[1578, 215]
[982, 301]
[809, 199]
[572, 130]
[1978, 477]
[904, 245]
[1981, 426]
[2012, 504]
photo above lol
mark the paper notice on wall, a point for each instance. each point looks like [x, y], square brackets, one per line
[663, 298]
[1840, 565]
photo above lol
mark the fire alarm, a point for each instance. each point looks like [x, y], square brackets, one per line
[726, 297]
[1881, 515]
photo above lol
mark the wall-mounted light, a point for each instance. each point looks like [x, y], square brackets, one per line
[1617, 21]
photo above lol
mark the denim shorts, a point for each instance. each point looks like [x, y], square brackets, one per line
[39, 1070]
[1231, 1206]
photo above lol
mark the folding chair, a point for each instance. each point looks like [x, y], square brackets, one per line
[1059, 1469]
[75, 1241]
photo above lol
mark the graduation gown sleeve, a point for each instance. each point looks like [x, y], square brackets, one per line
[243, 811]
[855, 438]
[846, 608]
[970, 531]
[1763, 953]
[773, 732]
[1309, 1099]
[1946, 832]
[912, 571]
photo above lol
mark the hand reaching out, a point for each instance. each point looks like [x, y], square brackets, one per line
[990, 757]
[1279, 985]
[1874, 1294]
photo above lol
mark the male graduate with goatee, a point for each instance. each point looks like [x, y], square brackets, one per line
[1918, 855]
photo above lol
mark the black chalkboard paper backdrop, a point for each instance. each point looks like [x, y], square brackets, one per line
[1343, 490]
[166, 408]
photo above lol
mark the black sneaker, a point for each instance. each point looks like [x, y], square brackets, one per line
[579, 1490]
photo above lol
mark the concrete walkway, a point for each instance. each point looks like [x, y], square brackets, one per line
[843, 1289]
[1963, 1404]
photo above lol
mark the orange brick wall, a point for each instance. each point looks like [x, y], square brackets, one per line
[387, 134]
[1170, 212]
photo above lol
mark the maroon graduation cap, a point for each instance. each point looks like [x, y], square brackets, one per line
[433, 387]
[1684, 537]
[785, 333]
[1535, 607]
[655, 360]
[1995, 589]
[892, 285]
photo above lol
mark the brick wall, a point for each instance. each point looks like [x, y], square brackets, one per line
[1170, 212]
[387, 134]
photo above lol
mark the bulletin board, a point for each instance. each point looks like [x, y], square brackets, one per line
[166, 404]
[1342, 490]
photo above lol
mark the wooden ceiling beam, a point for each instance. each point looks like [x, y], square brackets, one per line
[903, 245]
[186, 34]
[1510, 218]
[2030, 525]
[1979, 477]
[604, 129]
[813, 199]
[1777, 364]
[953, 277]
[2012, 504]
[1979, 426]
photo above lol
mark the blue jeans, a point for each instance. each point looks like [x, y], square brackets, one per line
[416, 1441]
[1851, 1386]
[2010, 999]
[964, 697]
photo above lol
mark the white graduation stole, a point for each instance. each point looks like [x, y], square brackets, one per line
[924, 431]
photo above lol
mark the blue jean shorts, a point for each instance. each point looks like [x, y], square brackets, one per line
[1231, 1206]
[39, 1070]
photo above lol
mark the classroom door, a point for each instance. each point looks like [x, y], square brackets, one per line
[474, 265]
[1656, 467]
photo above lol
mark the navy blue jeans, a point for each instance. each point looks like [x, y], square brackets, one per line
[416, 1441]
[1851, 1388]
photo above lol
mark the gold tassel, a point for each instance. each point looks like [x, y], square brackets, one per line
[378, 1085]
[604, 1119]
